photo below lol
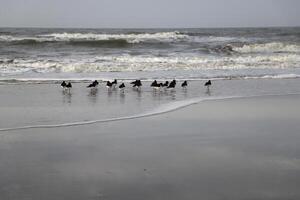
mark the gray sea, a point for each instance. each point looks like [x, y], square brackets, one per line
[78, 54]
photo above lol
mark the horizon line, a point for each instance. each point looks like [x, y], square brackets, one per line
[220, 27]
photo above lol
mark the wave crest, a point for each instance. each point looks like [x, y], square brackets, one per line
[92, 38]
[130, 38]
[127, 63]
[273, 47]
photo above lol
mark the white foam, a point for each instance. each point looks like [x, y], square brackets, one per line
[128, 63]
[282, 76]
[272, 47]
[131, 38]
[10, 38]
[201, 39]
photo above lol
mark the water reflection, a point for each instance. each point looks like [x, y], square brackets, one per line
[139, 93]
[122, 96]
[185, 92]
[67, 96]
[208, 92]
[173, 94]
[156, 93]
[109, 92]
[93, 94]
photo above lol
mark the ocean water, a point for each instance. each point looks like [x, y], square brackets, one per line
[194, 54]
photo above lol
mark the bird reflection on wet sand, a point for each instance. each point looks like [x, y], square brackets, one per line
[67, 96]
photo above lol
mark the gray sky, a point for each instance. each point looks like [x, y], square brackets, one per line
[149, 13]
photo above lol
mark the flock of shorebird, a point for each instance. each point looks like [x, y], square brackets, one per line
[135, 84]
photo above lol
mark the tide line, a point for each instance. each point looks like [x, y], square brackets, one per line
[166, 108]
[160, 110]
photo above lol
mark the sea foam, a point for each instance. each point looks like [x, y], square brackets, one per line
[71, 37]
[128, 63]
[272, 47]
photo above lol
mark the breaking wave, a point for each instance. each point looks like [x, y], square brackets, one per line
[273, 47]
[128, 63]
[91, 38]
[238, 44]
[152, 52]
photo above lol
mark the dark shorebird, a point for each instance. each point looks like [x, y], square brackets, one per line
[114, 83]
[109, 84]
[207, 84]
[166, 84]
[93, 85]
[136, 83]
[133, 82]
[69, 85]
[63, 84]
[154, 84]
[122, 86]
[184, 84]
[172, 84]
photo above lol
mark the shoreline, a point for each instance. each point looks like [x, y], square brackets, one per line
[15, 80]
[48, 106]
[184, 104]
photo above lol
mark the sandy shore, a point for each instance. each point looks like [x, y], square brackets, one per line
[244, 148]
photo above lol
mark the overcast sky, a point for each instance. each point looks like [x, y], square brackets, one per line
[149, 13]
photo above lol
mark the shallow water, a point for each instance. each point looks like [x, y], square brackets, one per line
[47, 104]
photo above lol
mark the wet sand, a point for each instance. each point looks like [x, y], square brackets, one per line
[244, 148]
[32, 104]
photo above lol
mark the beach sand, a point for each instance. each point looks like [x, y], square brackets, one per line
[239, 148]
